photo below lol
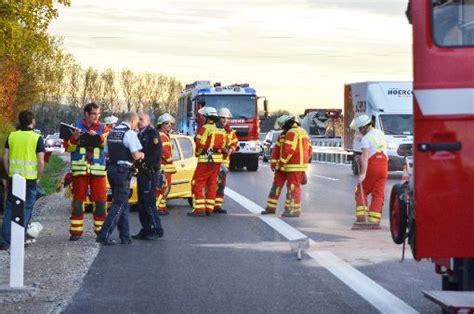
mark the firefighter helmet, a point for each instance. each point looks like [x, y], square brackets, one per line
[284, 120]
[209, 112]
[111, 120]
[361, 121]
[165, 117]
[225, 113]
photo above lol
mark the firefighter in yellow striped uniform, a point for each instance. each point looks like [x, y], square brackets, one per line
[231, 141]
[164, 126]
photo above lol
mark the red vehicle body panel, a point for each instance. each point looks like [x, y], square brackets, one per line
[444, 180]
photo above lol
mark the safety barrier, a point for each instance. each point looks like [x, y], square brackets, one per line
[329, 150]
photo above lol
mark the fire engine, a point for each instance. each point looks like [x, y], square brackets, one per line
[434, 209]
[241, 100]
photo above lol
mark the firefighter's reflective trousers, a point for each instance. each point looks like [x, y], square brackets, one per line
[221, 182]
[204, 186]
[162, 193]
[374, 184]
[293, 191]
[95, 186]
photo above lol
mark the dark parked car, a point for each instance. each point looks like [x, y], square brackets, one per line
[268, 144]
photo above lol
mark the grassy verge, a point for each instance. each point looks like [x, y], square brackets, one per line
[53, 170]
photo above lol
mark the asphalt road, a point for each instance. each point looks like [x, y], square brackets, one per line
[237, 263]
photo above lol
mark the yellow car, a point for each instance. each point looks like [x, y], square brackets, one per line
[185, 163]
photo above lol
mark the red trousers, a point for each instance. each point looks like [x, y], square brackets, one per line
[96, 186]
[204, 186]
[162, 194]
[374, 184]
[293, 191]
[221, 182]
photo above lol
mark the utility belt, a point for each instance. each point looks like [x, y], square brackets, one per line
[127, 167]
[211, 155]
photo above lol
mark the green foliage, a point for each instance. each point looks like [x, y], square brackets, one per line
[5, 128]
[26, 51]
[53, 171]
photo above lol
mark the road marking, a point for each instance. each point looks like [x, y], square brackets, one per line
[372, 292]
[323, 177]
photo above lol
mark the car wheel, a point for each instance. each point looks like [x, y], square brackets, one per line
[190, 201]
[253, 166]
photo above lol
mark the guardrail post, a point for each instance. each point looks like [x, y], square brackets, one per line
[17, 240]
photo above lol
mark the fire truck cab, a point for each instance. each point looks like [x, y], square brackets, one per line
[435, 209]
[241, 100]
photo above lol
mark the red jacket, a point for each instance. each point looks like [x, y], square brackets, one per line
[296, 150]
[210, 137]
[166, 153]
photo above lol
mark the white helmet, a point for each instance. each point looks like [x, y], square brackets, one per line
[224, 113]
[209, 112]
[165, 117]
[283, 119]
[111, 120]
[34, 229]
[361, 121]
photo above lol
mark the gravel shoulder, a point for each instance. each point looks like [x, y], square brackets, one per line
[54, 266]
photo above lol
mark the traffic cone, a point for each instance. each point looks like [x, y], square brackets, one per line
[405, 175]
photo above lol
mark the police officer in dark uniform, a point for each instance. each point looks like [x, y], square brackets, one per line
[148, 177]
[123, 148]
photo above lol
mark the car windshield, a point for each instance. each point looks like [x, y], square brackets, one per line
[241, 106]
[397, 124]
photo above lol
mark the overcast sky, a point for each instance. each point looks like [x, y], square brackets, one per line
[297, 53]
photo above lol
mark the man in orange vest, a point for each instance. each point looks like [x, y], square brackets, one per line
[373, 171]
[210, 146]
[230, 147]
[164, 124]
[88, 170]
[290, 159]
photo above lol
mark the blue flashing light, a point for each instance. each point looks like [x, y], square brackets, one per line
[204, 90]
[250, 91]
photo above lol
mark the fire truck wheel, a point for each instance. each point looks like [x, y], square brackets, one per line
[355, 169]
[398, 214]
[253, 166]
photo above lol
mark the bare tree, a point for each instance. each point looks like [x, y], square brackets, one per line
[128, 83]
[109, 99]
[92, 86]
[74, 83]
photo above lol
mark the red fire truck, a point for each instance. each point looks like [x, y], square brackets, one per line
[434, 210]
[241, 100]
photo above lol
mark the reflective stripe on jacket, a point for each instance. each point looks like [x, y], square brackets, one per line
[166, 153]
[296, 150]
[87, 160]
[210, 143]
[231, 142]
[276, 152]
[23, 159]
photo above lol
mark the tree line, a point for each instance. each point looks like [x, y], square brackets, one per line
[36, 72]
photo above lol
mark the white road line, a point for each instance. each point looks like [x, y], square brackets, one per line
[323, 177]
[372, 292]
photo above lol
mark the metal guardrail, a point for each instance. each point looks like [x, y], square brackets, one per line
[329, 150]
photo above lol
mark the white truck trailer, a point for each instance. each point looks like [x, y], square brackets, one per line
[390, 106]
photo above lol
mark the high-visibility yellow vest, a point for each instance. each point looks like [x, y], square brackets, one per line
[23, 159]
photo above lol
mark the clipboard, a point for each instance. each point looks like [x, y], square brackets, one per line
[66, 131]
[85, 139]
